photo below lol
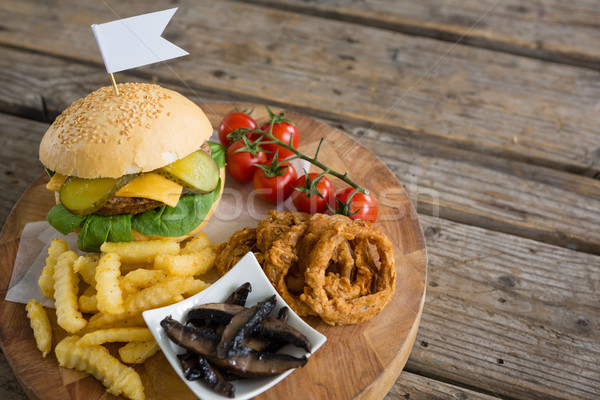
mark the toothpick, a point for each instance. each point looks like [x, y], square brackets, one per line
[112, 78]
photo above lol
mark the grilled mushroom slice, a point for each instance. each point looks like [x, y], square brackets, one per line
[209, 332]
[246, 363]
[197, 367]
[240, 295]
[283, 314]
[270, 328]
[242, 325]
[215, 312]
[214, 331]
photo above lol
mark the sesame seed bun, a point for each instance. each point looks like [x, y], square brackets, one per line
[104, 135]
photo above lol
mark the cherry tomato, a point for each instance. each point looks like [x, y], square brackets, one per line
[232, 122]
[362, 206]
[277, 188]
[283, 131]
[311, 202]
[240, 164]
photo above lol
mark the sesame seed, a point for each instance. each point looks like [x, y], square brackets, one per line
[137, 102]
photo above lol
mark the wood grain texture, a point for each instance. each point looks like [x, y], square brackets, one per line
[411, 386]
[380, 346]
[40, 86]
[505, 316]
[547, 29]
[464, 96]
[509, 196]
[458, 184]
[558, 288]
[514, 300]
[19, 165]
[9, 387]
[524, 314]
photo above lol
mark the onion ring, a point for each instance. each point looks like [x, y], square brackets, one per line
[331, 266]
[238, 245]
[275, 225]
[280, 261]
[337, 310]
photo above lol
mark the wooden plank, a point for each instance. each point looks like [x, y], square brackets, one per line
[508, 315]
[471, 98]
[461, 185]
[524, 305]
[484, 290]
[509, 196]
[548, 29]
[19, 165]
[408, 386]
[519, 318]
[416, 387]
[37, 86]
[9, 387]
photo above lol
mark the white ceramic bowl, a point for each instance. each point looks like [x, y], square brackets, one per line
[247, 270]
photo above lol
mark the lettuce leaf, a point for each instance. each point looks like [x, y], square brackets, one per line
[120, 229]
[217, 152]
[176, 221]
[98, 229]
[62, 220]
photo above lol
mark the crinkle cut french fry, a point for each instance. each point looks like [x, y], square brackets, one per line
[39, 322]
[186, 264]
[197, 243]
[66, 283]
[178, 298]
[197, 286]
[109, 293]
[162, 294]
[106, 321]
[88, 302]
[142, 251]
[127, 268]
[46, 279]
[158, 295]
[96, 360]
[131, 318]
[138, 352]
[115, 335]
[160, 263]
[141, 278]
[86, 267]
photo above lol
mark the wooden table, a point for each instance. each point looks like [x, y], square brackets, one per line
[487, 111]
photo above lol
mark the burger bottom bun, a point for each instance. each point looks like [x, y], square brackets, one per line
[140, 236]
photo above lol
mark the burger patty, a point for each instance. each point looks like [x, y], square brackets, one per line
[128, 205]
[134, 205]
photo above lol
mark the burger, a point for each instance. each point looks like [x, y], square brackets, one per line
[132, 166]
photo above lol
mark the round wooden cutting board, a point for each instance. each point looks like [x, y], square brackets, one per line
[357, 361]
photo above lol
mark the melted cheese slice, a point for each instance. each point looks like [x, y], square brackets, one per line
[153, 186]
[56, 182]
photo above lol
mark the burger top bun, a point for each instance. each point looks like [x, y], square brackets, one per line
[108, 135]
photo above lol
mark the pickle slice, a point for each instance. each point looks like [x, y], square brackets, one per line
[197, 172]
[84, 196]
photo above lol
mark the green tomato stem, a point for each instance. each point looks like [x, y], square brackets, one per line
[313, 160]
[240, 133]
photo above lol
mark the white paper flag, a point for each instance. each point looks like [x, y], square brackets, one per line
[136, 41]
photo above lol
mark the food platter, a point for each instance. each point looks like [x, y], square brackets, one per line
[357, 362]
